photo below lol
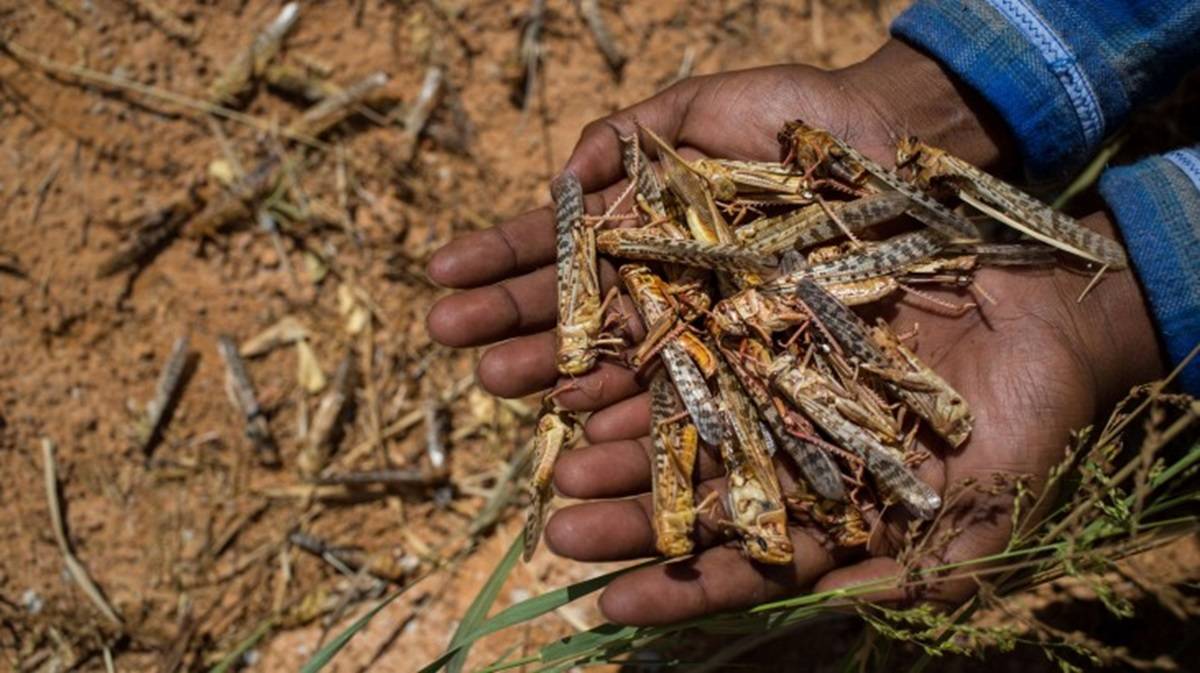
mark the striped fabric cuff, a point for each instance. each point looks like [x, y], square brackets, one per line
[1019, 63]
[1157, 206]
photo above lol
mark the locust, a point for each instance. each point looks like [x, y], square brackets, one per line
[818, 223]
[754, 499]
[674, 441]
[792, 432]
[680, 354]
[1007, 204]
[634, 243]
[556, 431]
[820, 152]
[752, 180]
[931, 397]
[579, 305]
[703, 218]
[832, 408]
[879, 259]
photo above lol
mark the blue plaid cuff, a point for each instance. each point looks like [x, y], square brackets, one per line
[1157, 206]
[1063, 74]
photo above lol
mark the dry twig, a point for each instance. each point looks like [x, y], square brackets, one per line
[57, 524]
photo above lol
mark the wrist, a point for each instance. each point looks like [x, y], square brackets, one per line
[1115, 327]
[914, 95]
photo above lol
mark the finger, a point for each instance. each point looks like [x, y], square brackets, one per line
[515, 306]
[879, 578]
[717, 579]
[520, 244]
[525, 365]
[602, 387]
[616, 469]
[513, 247]
[627, 419]
[619, 530]
[484, 315]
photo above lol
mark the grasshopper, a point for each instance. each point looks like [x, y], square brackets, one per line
[938, 402]
[579, 305]
[831, 407]
[681, 354]
[818, 223]
[751, 181]
[693, 192]
[820, 152]
[922, 391]
[638, 244]
[649, 190]
[674, 457]
[754, 498]
[794, 434]
[879, 259]
[756, 310]
[556, 431]
[1007, 204]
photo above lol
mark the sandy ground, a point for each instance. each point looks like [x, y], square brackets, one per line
[188, 543]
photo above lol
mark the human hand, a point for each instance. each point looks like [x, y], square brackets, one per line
[509, 290]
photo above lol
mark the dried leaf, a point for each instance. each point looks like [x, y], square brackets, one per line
[287, 331]
[355, 313]
[308, 369]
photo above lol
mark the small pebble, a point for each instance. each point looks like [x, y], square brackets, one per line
[32, 602]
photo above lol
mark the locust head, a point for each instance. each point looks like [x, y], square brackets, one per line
[576, 355]
[726, 319]
[922, 158]
[907, 149]
[718, 177]
[761, 524]
[804, 146]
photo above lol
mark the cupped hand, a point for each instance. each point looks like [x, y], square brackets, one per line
[1022, 364]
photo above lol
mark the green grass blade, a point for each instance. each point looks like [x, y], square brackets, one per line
[1091, 173]
[327, 653]
[528, 610]
[477, 611]
[593, 639]
[551, 600]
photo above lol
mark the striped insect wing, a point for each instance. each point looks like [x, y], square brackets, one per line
[634, 244]
[886, 258]
[639, 169]
[844, 326]
[855, 216]
[694, 392]
[925, 208]
[1029, 215]
[568, 215]
[894, 477]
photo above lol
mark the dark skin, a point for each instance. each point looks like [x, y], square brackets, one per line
[1033, 366]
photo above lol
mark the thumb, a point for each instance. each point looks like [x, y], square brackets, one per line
[596, 159]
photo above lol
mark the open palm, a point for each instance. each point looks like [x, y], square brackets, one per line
[1028, 365]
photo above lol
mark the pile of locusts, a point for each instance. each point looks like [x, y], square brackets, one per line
[751, 346]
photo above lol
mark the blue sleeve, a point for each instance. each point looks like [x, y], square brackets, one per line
[1063, 74]
[1157, 207]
